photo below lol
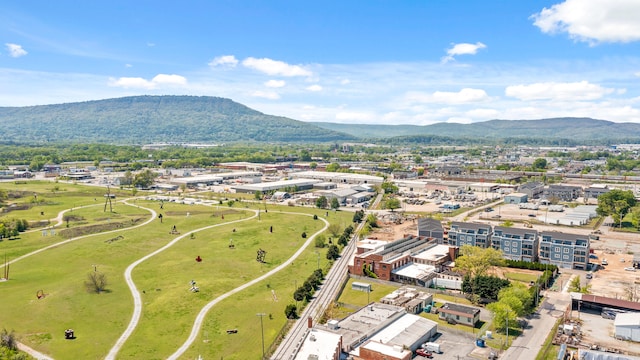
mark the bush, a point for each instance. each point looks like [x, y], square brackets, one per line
[304, 235]
[291, 311]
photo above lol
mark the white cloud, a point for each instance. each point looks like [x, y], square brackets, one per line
[15, 50]
[314, 87]
[576, 91]
[592, 21]
[637, 74]
[141, 83]
[463, 96]
[345, 82]
[275, 67]
[225, 60]
[169, 79]
[275, 83]
[462, 49]
[271, 95]
[128, 65]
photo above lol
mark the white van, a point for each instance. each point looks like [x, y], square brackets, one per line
[433, 347]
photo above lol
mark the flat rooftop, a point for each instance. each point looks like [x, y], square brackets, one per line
[433, 254]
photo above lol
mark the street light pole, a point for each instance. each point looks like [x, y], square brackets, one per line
[261, 315]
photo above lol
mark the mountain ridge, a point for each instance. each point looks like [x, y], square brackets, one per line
[177, 118]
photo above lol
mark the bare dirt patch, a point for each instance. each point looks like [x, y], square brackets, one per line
[613, 280]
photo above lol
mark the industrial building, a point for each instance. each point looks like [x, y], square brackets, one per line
[380, 331]
[297, 184]
[628, 326]
[336, 177]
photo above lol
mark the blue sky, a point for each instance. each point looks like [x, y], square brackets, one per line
[376, 62]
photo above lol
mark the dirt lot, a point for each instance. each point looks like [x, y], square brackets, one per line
[613, 280]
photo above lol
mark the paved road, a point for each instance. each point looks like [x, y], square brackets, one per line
[529, 344]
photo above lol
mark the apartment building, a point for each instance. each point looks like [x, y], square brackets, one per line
[564, 250]
[464, 233]
[516, 244]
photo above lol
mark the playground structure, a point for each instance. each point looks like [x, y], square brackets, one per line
[194, 288]
[69, 334]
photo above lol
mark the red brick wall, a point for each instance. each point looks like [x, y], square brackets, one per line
[367, 354]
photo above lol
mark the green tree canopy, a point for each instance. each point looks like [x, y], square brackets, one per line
[392, 203]
[539, 163]
[476, 260]
[322, 202]
[335, 204]
[615, 203]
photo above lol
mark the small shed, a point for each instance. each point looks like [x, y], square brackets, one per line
[359, 286]
[628, 326]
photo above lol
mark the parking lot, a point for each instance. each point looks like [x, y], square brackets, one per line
[458, 345]
[600, 331]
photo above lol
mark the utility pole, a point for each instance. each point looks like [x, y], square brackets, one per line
[261, 315]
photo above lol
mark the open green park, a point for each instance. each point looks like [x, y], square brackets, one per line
[50, 264]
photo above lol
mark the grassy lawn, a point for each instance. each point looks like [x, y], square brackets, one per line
[169, 307]
[360, 298]
[525, 278]
[452, 299]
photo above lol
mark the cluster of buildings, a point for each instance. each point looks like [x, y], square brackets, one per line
[377, 331]
[428, 258]
[547, 247]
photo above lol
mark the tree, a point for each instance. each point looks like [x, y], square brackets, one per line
[358, 216]
[257, 195]
[320, 241]
[476, 260]
[518, 297]
[392, 203]
[575, 286]
[540, 163]
[334, 229]
[389, 187]
[372, 220]
[615, 203]
[635, 217]
[502, 312]
[291, 311]
[418, 160]
[333, 167]
[144, 179]
[313, 165]
[8, 340]
[335, 204]
[96, 282]
[322, 202]
[333, 252]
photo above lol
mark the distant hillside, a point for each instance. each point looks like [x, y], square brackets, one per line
[145, 119]
[575, 129]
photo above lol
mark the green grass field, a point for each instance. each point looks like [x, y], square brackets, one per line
[525, 278]
[169, 308]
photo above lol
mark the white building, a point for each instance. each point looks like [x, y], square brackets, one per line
[628, 326]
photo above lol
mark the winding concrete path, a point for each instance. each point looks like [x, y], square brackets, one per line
[197, 324]
[153, 215]
[137, 298]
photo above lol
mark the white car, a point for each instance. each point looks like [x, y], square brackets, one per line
[630, 269]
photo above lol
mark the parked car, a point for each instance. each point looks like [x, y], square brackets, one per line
[604, 262]
[424, 353]
[630, 268]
